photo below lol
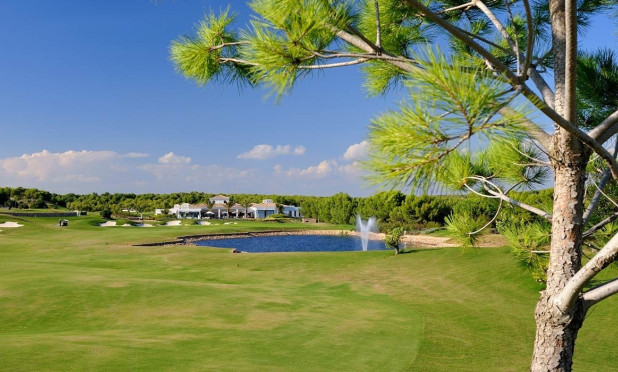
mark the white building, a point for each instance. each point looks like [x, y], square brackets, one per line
[186, 210]
[219, 199]
[263, 209]
[291, 211]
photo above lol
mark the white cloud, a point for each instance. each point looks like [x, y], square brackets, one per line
[100, 171]
[321, 170]
[56, 167]
[262, 152]
[299, 150]
[171, 158]
[357, 151]
[137, 155]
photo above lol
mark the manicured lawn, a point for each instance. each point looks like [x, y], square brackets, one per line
[83, 298]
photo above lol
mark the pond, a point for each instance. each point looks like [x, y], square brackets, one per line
[294, 243]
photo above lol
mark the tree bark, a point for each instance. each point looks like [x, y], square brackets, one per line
[557, 329]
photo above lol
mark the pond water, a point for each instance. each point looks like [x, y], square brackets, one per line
[294, 243]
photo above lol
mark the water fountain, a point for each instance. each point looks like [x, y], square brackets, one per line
[366, 227]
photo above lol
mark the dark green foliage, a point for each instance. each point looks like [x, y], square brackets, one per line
[39, 204]
[597, 86]
[476, 206]
[4, 196]
[380, 205]
[106, 213]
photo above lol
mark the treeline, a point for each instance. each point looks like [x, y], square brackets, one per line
[23, 198]
[390, 208]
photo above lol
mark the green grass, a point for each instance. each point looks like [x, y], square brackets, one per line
[83, 298]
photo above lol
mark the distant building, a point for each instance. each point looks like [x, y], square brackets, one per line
[186, 210]
[291, 211]
[238, 211]
[219, 199]
[263, 209]
[220, 208]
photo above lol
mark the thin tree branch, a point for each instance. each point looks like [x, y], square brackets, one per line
[606, 129]
[537, 79]
[599, 225]
[238, 61]
[378, 28]
[497, 24]
[488, 42]
[597, 194]
[332, 55]
[333, 65]
[565, 299]
[605, 195]
[594, 145]
[535, 162]
[221, 46]
[518, 53]
[549, 96]
[594, 202]
[525, 206]
[600, 292]
[570, 68]
[461, 35]
[366, 45]
[466, 5]
[530, 42]
[537, 132]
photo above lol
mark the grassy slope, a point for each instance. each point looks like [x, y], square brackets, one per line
[82, 298]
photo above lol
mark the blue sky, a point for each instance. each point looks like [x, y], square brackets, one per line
[90, 102]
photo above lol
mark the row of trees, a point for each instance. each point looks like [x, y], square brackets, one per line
[392, 209]
[20, 197]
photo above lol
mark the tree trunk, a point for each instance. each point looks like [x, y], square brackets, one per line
[557, 331]
[555, 335]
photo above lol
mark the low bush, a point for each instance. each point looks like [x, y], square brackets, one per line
[123, 221]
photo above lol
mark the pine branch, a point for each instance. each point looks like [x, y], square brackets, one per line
[599, 225]
[525, 206]
[530, 42]
[600, 292]
[535, 131]
[597, 194]
[571, 291]
[606, 129]
[378, 27]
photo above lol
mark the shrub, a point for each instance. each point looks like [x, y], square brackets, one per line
[122, 221]
[106, 213]
[393, 239]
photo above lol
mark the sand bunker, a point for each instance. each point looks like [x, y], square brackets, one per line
[203, 223]
[108, 223]
[143, 225]
[10, 224]
[173, 223]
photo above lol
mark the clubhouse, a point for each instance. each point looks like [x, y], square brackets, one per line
[219, 208]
